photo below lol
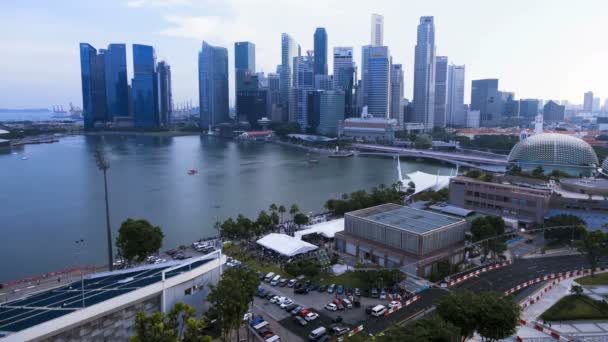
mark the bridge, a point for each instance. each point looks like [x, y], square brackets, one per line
[452, 157]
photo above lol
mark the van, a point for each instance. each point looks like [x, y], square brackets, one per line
[347, 303]
[269, 277]
[275, 280]
[274, 338]
[378, 310]
[317, 333]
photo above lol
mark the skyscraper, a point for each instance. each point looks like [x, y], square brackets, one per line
[247, 84]
[596, 104]
[528, 108]
[331, 111]
[165, 93]
[377, 30]
[345, 76]
[145, 87]
[553, 112]
[424, 74]
[92, 76]
[117, 91]
[303, 73]
[441, 93]
[274, 98]
[213, 85]
[455, 112]
[289, 50]
[396, 92]
[588, 101]
[320, 54]
[485, 98]
[244, 61]
[376, 80]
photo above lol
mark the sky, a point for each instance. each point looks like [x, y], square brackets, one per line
[553, 49]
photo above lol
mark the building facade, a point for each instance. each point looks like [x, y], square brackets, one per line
[588, 102]
[289, 50]
[485, 98]
[92, 68]
[165, 93]
[213, 85]
[331, 110]
[455, 111]
[424, 74]
[396, 92]
[145, 87]
[553, 112]
[320, 46]
[528, 108]
[377, 30]
[441, 91]
[345, 77]
[377, 80]
[117, 87]
[368, 129]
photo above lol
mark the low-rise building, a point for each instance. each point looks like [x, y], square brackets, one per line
[368, 128]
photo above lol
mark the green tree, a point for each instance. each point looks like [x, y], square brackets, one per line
[301, 219]
[137, 239]
[538, 172]
[593, 245]
[514, 170]
[497, 316]
[230, 299]
[263, 223]
[459, 309]
[282, 211]
[180, 324]
[489, 227]
[294, 210]
[563, 235]
[576, 290]
[428, 329]
[423, 142]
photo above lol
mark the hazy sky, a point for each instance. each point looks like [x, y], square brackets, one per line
[554, 49]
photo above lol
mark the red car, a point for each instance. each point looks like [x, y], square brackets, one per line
[339, 304]
[304, 312]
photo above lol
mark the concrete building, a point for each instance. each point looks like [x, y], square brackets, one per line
[455, 111]
[528, 108]
[391, 235]
[145, 87]
[588, 102]
[377, 30]
[553, 112]
[424, 74]
[441, 91]
[473, 118]
[111, 301]
[527, 205]
[92, 75]
[368, 129]
[274, 111]
[396, 92]
[303, 73]
[376, 80]
[345, 77]
[485, 98]
[331, 112]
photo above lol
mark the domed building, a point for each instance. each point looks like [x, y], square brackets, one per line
[604, 169]
[554, 151]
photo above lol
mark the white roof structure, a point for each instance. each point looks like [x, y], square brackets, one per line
[285, 244]
[328, 229]
[425, 181]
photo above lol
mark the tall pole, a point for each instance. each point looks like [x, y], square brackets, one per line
[78, 245]
[103, 165]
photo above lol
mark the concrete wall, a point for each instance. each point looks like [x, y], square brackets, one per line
[117, 326]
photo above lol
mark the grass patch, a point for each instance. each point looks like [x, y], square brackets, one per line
[598, 279]
[572, 308]
[264, 267]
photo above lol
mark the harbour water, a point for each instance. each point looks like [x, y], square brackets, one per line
[52, 194]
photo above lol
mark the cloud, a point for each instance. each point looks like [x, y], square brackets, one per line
[159, 3]
[195, 27]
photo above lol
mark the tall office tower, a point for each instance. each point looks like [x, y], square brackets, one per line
[303, 72]
[528, 108]
[244, 61]
[165, 93]
[455, 113]
[596, 104]
[485, 98]
[117, 92]
[145, 87]
[92, 69]
[510, 107]
[331, 111]
[213, 85]
[588, 102]
[606, 105]
[424, 74]
[376, 80]
[289, 50]
[251, 101]
[345, 76]
[320, 51]
[274, 111]
[552, 112]
[377, 30]
[247, 83]
[324, 82]
[396, 92]
[441, 91]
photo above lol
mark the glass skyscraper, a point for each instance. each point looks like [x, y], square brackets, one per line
[92, 75]
[117, 87]
[244, 61]
[396, 92]
[213, 85]
[345, 76]
[164, 92]
[289, 50]
[441, 91]
[145, 87]
[486, 98]
[376, 80]
[424, 74]
[455, 103]
[320, 46]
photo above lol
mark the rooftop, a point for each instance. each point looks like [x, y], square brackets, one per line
[405, 218]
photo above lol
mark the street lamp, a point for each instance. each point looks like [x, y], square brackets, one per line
[79, 243]
[103, 165]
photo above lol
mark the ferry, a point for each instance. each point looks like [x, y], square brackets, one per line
[192, 172]
[341, 154]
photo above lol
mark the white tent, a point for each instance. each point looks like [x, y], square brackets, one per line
[328, 229]
[425, 181]
[285, 244]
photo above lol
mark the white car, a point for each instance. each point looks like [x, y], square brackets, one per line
[274, 299]
[311, 316]
[280, 300]
[331, 307]
[393, 304]
[287, 302]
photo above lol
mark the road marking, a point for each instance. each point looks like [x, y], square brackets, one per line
[31, 287]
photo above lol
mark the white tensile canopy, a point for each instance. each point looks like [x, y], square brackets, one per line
[285, 244]
[328, 229]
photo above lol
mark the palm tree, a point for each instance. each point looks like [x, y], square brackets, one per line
[282, 210]
[273, 208]
[103, 165]
[294, 210]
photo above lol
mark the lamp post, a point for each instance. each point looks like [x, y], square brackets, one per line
[79, 243]
[103, 165]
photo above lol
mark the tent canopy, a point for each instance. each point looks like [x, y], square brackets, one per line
[285, 244]
[328, 229]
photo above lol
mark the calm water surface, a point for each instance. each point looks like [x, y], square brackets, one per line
[55, 196]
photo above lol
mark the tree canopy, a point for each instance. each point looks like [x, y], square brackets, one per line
[180, 324]
[593, 245]
[137, 239]
[362, 199]
[488, 227]
[563, 235]
[428, 329]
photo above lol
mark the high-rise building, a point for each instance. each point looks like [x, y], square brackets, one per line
[396, 92]
[248, 95]
[92, 75]
[552, 112]
[588, 102]
[331, 111]
[165, 93]
[213, 85]
[377, 30]
[324, 82]
[485, 98]
[145, 87]
[455, 112]
[289, 50]
[244, 62]
[441, 91]
[528, 108]
[303, 72]
[117, 93]
[320, 54]
[509, 106]
[596, 104]
[274, 98]
[424, 74]
[313, 110]
[376, 80]
[345, 76]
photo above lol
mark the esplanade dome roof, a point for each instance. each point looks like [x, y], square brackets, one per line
[553, 148]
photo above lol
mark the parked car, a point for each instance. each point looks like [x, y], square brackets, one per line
[393, 304]
[291, 283]
[286, 303]
[269, 277]
[368, 309]
[357, 292]
[269, 295]
[331, 307]
[274, 300]
[338, 304]
[275, 280]
[331, 288]
[311, 316]
[280, 300]
[347, 303]
[301, 290]
[313, 287]
[337, 320]
[261, 292]
[324, 338]
[322, 288]
[382, 294]
[301, 321]
[317, 334]
[283, 282]
[296, 310]
[339, 331]
[291, 307]
[378, 310]
[373, 292]
[340, 290]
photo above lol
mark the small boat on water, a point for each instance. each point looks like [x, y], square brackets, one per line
[313, 161]
[24, 158]
[192, 172]
[341, 154]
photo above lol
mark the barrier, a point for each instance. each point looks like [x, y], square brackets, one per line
[561, 276]
[402, 305]
[355, 330]
[50, 275]
[478, 272]
[539, 327]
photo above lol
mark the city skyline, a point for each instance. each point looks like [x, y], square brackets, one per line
[176, 29]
